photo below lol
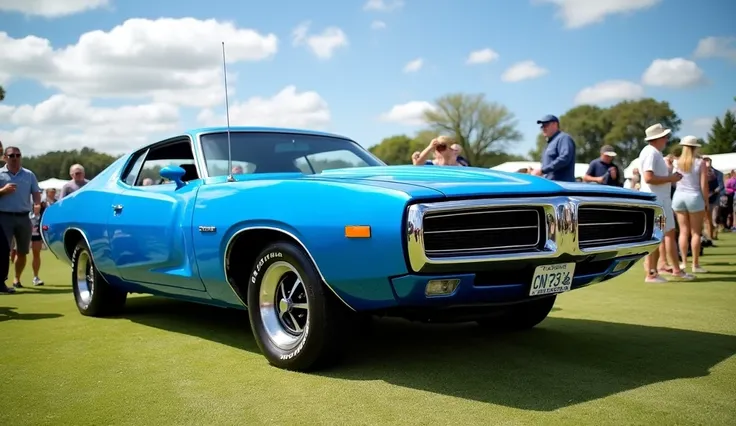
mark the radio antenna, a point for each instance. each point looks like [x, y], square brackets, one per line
[230, 177]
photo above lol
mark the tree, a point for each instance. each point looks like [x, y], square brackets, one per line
[722, 135]
[2, 94]
[56, 164]
[588, 125]
[480, 127]
[629, 121]
[397, 149]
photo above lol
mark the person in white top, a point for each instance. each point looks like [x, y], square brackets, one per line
[656, 179]
[690, 200]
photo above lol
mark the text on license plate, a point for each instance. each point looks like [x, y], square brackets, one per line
[550, 279]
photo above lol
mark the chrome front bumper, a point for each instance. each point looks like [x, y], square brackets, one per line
[560, 221]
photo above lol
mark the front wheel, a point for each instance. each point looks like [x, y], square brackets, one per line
[294, 321]
[94, 296]
[522, 316]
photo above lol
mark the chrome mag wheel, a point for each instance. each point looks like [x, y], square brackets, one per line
[85, 278]
[284, 305]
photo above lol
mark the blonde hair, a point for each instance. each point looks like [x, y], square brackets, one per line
[446, 140]
[685, 162]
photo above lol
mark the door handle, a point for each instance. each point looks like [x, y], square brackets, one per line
[117, 208]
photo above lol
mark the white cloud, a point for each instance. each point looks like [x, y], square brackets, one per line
[580, 13]
[322, 45]
[288, 108]
[525, 70]
[607, 91]
[717, 47]
[69, 122]
[414, 66]
[676, 72]
[383, 5]
[481, 56]
[51, 8]
[378, 25]
[410, 113]
[168, 60]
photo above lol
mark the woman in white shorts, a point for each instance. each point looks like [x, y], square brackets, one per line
[689, 200]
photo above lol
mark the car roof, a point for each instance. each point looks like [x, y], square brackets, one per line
[256, 129]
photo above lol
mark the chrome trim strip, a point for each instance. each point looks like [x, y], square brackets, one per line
[270, 228]
[560, 220]
[89, 246]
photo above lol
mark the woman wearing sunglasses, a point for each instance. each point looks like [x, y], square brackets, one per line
[443, 154]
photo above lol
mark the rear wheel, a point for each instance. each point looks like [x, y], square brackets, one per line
[295, 322]
[522, 316]
[94, 296]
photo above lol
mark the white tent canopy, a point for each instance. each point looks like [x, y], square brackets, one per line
[52, 183]
[721, 162]
[512, 166]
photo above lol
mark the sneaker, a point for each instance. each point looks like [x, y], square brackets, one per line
[18, 285]
[654, 277]
[699, 270]
[37, 281]
[5, 289]
[684, 275]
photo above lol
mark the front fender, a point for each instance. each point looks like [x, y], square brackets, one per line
[315, 213]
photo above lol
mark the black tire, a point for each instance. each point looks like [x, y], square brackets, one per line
[522, 316]
[103, 299]
[318, 343]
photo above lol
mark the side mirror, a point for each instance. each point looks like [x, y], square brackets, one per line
[174, 174]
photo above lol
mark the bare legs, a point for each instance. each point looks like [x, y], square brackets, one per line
[36, 262]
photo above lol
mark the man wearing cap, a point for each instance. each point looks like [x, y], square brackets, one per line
[656, 179]
[558, 159]
[603, 171]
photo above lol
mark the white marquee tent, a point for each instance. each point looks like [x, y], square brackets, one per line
[512, 166]
[52, 183]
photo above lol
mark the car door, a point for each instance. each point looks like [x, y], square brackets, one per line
[150, 221]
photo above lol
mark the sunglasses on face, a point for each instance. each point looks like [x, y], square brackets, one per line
[13, 155]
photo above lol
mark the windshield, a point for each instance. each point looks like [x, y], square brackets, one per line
[254, 152]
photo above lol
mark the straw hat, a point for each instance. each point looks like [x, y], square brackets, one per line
[690, 141]
[656, 131]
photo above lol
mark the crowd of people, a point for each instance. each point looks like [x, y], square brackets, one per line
[22, 204]
[692, 192]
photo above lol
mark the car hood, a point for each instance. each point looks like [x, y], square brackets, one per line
[465, 181]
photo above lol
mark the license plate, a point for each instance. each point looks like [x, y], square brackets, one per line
[551, 279]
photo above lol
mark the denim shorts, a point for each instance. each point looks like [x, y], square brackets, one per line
[690, 202]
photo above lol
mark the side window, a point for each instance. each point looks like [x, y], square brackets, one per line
[316, 163]
[175, 154]
[134, 168]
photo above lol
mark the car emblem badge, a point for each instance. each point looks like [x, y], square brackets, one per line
[207, 229]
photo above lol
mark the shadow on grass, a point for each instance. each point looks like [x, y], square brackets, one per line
[8, 313]
[560, 363]
[46, 289]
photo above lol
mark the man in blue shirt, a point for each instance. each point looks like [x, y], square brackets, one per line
[603, 171]
[558, 159]
[17, 186]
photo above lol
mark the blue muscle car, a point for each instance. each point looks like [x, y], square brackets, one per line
[310, 232]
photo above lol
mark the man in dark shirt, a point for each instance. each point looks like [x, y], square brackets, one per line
[603, 171]
[558, 159]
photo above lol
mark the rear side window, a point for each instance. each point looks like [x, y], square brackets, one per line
[130, 175]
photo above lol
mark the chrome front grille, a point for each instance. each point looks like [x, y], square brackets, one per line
[491, 230]
[600, 226]
[482, 231]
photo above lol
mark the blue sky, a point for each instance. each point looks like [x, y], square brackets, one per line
[364, 79]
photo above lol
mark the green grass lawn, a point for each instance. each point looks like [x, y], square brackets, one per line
[621, 352]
